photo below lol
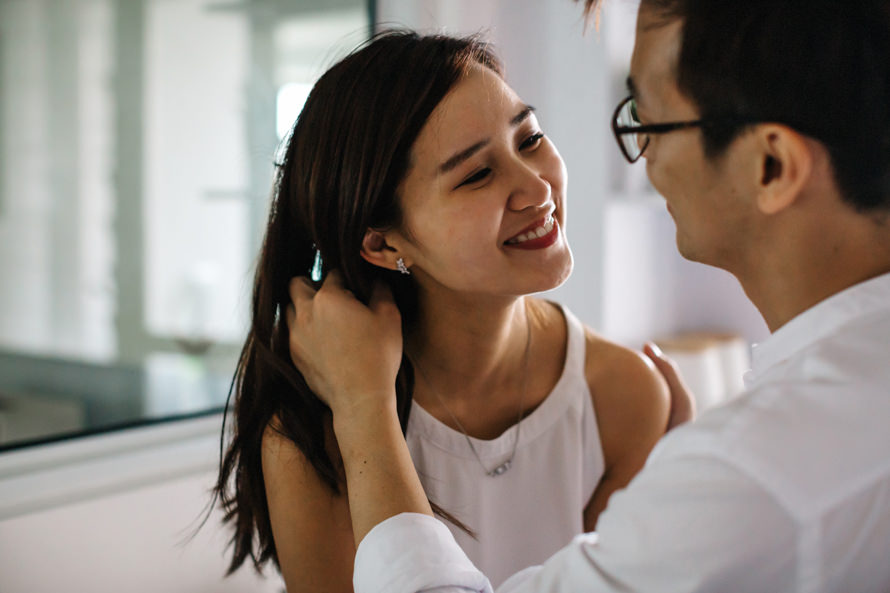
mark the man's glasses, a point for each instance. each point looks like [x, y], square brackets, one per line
[633, 136]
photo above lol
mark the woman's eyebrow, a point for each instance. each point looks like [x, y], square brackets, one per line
[461, 156]
[466, 153]
[522, 115]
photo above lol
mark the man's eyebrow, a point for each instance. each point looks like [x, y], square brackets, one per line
[466, 153]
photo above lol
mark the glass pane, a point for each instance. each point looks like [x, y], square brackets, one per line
[137, 141]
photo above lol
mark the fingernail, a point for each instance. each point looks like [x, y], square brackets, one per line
[656, 350]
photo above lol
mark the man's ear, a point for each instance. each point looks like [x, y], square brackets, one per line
[377, 251]
[786, 164]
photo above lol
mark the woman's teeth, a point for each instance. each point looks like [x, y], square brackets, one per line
[534, 233]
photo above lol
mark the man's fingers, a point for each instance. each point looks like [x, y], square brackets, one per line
[300, 290]
[334, 280]
[665, 366]
[301, 293]
[330, 326]
[290, 315]
[682, 401]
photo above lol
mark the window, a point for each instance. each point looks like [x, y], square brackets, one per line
[137, 142]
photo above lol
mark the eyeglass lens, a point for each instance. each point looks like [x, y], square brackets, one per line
[633, 144]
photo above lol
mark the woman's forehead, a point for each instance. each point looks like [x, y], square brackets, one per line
[472, 111]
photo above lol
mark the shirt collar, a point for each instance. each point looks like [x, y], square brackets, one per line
[819, 321]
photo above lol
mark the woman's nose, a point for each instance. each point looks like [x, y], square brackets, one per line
[529, 188]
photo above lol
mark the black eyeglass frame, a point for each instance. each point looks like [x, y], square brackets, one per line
[663, 128]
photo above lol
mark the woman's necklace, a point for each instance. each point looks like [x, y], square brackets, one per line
[502, 468]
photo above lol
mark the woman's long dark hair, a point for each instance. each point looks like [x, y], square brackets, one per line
[346, 156]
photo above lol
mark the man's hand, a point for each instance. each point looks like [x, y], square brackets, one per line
[348, 353]
[682, 402]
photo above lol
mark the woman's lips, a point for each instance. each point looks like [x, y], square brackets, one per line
[540, 235]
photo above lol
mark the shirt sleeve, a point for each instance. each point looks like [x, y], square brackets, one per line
[413, 553]
[683, 525]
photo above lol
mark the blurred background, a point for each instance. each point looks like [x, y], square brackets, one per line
[136, 148]
[137, 142]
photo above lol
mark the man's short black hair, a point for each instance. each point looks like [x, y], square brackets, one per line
[820, 66]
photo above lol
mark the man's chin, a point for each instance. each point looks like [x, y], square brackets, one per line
[695, 253]
[687, 249]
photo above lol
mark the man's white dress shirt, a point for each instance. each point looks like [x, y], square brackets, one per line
[785, 488]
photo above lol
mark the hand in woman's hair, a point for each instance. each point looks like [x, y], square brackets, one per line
[348, 353]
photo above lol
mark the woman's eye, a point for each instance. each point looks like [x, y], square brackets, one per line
[477, 176]
[531, 141]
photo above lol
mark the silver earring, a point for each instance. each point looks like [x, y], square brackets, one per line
[400, 265]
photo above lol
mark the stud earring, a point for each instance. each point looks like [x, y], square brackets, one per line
[400, 265]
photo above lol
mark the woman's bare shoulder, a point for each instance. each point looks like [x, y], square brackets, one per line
[310, 521]
[607, 360]
[629, 394]
[612, 370]
[281, 455]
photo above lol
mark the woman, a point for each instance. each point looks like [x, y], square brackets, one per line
[414, 164]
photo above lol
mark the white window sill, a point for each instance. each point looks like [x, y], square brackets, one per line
[55, 474]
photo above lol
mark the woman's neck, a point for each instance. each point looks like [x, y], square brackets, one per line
[468, 346]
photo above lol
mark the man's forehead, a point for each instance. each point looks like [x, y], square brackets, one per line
[656, 51]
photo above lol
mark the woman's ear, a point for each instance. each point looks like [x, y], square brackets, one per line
[377, 251]
[786, 167]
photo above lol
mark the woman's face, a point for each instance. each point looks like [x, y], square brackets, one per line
[484, 197]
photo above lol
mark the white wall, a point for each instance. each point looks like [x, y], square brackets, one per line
[113, 513]
[650, 291]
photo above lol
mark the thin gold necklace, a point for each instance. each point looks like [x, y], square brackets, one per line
[503, 467]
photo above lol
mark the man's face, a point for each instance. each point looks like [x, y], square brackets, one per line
[703, 196]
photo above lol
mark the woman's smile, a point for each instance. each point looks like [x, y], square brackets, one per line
[481, 233]
[538, 235]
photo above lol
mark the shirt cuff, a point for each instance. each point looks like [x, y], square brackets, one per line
[412, 552]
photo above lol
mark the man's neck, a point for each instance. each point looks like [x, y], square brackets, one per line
[802, 269]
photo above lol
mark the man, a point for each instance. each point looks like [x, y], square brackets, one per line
[765, 124]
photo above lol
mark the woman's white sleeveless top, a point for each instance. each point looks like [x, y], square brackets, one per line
[526, 514]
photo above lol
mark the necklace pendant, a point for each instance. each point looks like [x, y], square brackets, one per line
[501, 469]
